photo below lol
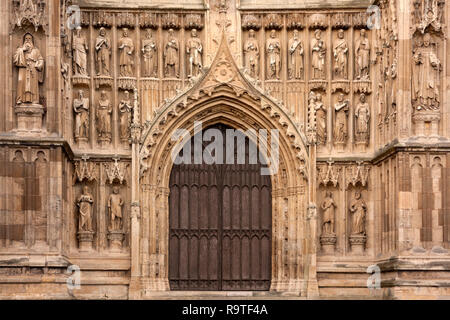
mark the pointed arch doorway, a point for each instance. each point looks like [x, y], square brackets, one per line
[220, 223]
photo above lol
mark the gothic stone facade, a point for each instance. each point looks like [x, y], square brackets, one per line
[90, 100]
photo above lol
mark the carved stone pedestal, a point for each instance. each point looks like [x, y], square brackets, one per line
[360, 146]
[29, 117]
[103, 81]
[426, 123]
[115, 240]
[81, 80]
[357, 243]
[104, 142]
[85, 240]
[339, 146]
[328, 243]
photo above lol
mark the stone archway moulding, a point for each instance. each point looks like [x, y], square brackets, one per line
[223, 93]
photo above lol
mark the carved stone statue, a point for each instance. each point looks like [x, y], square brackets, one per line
[80, 48]
[362, 55]
[251, 52]
[172, 56]
[81, 108]
[150, 53]
[328, 208]
[30, 62]
[340, 126]
[194, 50]
[296, 52]
[273, 49]
[103, 116]
[85, 202]
[426, 76]
[358, 208]
[318, 56]
[115, 204]
[126, 59]
[340, 52]
[103, 50]
[321, 119]
[125, 108]
[362, 114]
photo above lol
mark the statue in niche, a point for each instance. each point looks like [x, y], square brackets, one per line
[362, 54]
[296, 52]
[340, 127]
[273, 49]
[426, 76]
[341, 56]
[194, 50]
[126, 59]
[417, 12]
[149, 50]
[362, 114]
[125, 108]
[30, 62]
[172, 57]
[318, 55]
[358, 208]
[103, 116]
[85, 202]
[251, 51]
[316, 104]
[115, 204]
[328, 208]
[80, 48]
[103, 51]
[81, 108]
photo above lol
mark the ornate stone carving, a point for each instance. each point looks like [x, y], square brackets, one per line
[102, 19]
[273, 52]
[80, 48]
[296, 56]
[273, 21]
[103, 119]
[81, 109]
[150, 54]
[428, 15]
[172, 56]
[125, 108]
[29, 61]
[341, 109]
[251, 21]
[295, 21]
[148, 20]
[251, 53]
[341, 20]
[125, 20]
[171, 21]
[115, 204]
[193, 21]
[319, 52]
[362, 120]
[126, 57]
[357, 174]
[29, 12]
[85, 170]
[328, 175]
[103, 52]
[328, 207]
[85, 203]
[360, 20]
[318, 21]
[340, 52]
[362, 57]
[194, 50]
[320, 116]
[426, 76]
[116, 171]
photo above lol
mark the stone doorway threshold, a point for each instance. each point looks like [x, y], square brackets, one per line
[222, 295]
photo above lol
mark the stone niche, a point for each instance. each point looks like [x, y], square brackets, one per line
[31, 108]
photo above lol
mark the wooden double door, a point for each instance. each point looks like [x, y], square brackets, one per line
[220, 225]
